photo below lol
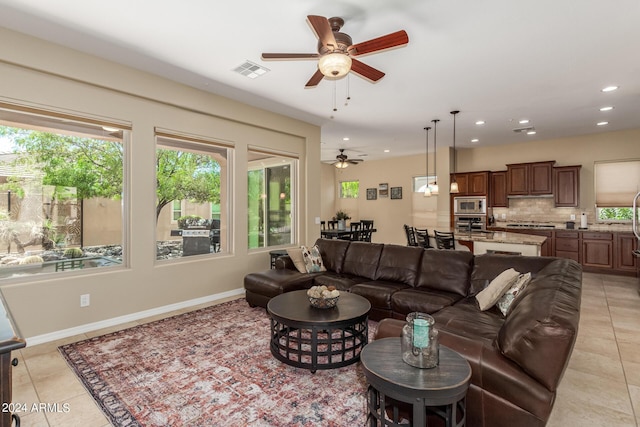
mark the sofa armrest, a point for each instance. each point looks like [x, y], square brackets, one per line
[389, 328]
[285, 262]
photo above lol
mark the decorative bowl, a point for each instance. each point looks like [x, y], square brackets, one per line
[323, 302]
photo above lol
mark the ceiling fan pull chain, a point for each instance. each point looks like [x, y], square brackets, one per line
[334, 96]
[346, 102]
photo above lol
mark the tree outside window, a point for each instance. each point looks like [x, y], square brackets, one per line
[349, 189]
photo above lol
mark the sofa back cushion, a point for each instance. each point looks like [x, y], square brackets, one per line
[399, 264]
[445, 270]
[488, 266]
[362, 259]
[540, 330]
[333, 252]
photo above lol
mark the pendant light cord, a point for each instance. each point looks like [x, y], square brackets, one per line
[435, 148]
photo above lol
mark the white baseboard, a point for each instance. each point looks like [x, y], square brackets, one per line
[64, 333]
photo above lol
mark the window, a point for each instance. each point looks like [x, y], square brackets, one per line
[192, 176]
[177, 210]
[349, 189]
[419, 183]
[61, 192]
[616, 184]
[271, 199]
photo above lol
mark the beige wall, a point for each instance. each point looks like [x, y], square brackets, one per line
[35, 72]
[414, 209]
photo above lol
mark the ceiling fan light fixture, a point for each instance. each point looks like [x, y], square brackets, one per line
[334, 65]
[341, 165]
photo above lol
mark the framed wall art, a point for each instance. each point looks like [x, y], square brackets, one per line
[383, 190]
[396, 192]
[372, 193]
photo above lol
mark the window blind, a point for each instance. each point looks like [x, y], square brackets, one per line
[616, 183]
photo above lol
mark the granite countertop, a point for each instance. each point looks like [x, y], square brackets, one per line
[620, 228]
[502, 237]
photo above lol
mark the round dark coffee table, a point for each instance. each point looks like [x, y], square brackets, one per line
[318, 338]
[441, 390]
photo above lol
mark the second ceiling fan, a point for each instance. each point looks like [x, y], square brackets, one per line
[336, 52]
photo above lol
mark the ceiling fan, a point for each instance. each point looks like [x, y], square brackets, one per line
[342, 161]
[336, 53]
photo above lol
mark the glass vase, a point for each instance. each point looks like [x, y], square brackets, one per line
[420, 341]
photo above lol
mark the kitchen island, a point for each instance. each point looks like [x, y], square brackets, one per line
[502, 242]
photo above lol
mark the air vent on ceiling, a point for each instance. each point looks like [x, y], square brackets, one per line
[251, 70]
[525, 129]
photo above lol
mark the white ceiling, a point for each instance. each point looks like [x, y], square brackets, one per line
[494, 60]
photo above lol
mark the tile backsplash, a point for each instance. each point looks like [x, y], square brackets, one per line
[539, 209]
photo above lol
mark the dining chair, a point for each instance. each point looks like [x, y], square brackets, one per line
[422, 237]
[445, 239]
[366, 223]
[411, 236]
[332, 225]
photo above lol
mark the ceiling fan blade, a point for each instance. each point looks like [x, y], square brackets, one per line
[354, 161]
[322, 28]
[290, 56]
[366, 71]
[315, 79]
[398, 38]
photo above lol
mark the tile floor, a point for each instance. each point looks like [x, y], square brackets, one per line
[601, 386]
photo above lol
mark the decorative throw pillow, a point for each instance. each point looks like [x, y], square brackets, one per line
[312, 259]
[505, 301]
[492, 293]
[297, 258]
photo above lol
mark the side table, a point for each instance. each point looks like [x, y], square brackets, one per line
[441, 390]
[275, 254]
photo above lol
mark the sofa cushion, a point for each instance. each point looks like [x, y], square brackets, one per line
[445, 270]
[333, 252]
[541, 328]
[297, 258]
[342, 282]
[424, 300]
[486, 267]
[362, 259]
[399, 264]
[271, 283]
[312, 259]
[378, 292]
[499, 285]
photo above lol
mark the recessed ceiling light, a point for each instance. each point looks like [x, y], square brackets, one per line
[346, 138]
[609, 88]
[606, 108]
[480, 122]
[386, 151]
[531, 132]
[602, 123]
[475, 140]
[524, 121]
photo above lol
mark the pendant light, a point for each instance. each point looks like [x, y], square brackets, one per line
[454, 183]
[434, 187]
[427, 190]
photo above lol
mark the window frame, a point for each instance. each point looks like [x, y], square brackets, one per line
[340, 189]
[616, 165]
[35, 118]
[168, 139]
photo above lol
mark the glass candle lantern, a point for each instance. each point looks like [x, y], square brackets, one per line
[420, 341]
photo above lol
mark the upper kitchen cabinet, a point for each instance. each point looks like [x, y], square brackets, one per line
[530, 179]
[498, 189]
[566, 182]
[472, 183]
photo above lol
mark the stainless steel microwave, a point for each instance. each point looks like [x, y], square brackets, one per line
[469, 205]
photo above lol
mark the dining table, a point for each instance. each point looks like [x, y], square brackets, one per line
[341, 234]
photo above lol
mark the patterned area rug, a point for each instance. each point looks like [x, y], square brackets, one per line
[212, 367]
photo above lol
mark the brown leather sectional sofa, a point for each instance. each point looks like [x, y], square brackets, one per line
[517, 361]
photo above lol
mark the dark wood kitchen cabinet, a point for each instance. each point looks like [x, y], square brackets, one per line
[462, 179]
[624, 259]
[566, 186]
[472, 183]
[498, 189]
[597, 250]
[530, 179]
[567, 245]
